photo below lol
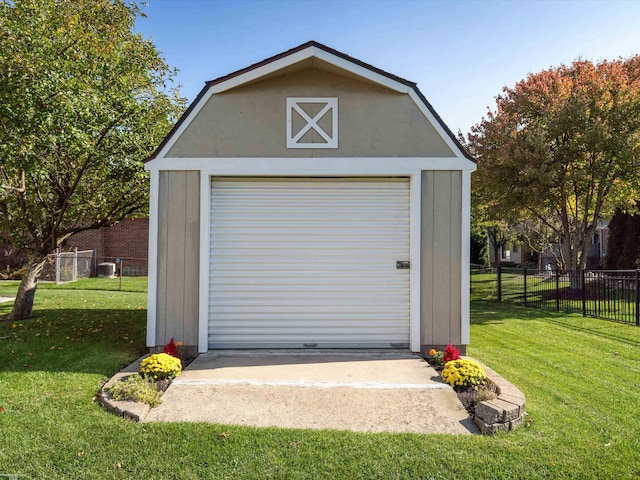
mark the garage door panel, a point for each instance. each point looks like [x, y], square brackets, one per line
[309, 261]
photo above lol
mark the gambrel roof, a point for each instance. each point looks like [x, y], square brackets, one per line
[315, 55]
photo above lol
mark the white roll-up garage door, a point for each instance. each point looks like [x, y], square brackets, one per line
[309, 263]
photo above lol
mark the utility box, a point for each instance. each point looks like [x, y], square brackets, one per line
[106, 270]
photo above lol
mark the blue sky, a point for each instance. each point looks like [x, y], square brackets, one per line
[461, 53]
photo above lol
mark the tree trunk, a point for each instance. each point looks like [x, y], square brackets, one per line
[23, 305]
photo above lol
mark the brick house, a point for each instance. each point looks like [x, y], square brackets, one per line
[127, 240]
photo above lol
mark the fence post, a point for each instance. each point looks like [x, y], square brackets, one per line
[583, 288]
[637, 298]
[557, 289]
[75, 264]
[57, 254]
[499, 283]
[525, 286]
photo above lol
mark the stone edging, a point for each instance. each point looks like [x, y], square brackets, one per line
[503, 413]
[133, 410]
[498, 415]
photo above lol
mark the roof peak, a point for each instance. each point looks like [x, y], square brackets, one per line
[304, 46]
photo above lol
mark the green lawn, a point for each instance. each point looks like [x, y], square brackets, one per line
[581, 378]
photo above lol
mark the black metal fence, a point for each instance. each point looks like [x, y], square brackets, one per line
[608, 294]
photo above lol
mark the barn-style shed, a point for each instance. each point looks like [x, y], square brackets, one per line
[309, 201]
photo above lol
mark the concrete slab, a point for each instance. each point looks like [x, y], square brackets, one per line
[357, 391]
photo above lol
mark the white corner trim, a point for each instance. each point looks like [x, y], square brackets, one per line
[203, 310]
[310, 52]
[256, 73]
[311, 165]
[436, 124]
[415, 202]
[361, 71]
[465, 255]
[152, 269]
[330, 107]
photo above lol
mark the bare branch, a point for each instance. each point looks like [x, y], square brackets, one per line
[21, 189]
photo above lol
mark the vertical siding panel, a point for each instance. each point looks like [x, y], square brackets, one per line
[176, 257]
[441, 260]
[426, 274]
[161, 296]
[456, 260]
[192, 259]
[442, 257]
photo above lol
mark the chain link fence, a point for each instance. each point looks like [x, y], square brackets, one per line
[64, 267]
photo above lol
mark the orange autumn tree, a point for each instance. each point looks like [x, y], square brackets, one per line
[562, 150]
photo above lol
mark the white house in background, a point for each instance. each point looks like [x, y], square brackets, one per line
[309, 201]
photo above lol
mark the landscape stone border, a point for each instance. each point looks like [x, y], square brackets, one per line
[501, 414]
[133, 410]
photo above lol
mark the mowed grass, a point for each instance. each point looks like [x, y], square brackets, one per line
[581, 378]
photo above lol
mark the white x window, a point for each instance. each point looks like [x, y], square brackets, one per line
[312, 122]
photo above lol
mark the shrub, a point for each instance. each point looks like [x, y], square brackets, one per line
[436, 357]
[13, 274]
[487, 391]
[463, 373]
[451, 353]
[161, 366]
[136, 389]
[171, 349]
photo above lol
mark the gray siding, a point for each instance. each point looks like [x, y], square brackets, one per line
[441, 257]
[178, 257]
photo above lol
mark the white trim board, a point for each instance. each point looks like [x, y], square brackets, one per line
[152, 269]
[465, 258]
[309, 52]
[415, 286]
[203, 295]
[185, 124]
[294, 139]
[271, 166]
[414, 245]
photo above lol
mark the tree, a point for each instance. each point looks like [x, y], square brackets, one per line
[478, 251]
[562, 148]
[496, 233]
[83, 99]
[623, 251]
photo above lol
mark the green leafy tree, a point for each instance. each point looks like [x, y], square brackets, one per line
[562, 148]
[497, 233]
[623, 251]
[83, 99]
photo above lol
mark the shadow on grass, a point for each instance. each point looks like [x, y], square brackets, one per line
[73, 340]
[106, 287]
[602, 328]
[493, 312]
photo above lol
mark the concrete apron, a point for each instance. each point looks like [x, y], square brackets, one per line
[357, 391]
